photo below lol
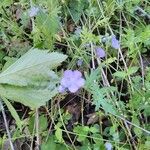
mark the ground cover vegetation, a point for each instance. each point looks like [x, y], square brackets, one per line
[75, 75]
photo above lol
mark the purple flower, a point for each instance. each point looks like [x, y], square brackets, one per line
[100, 52]
[108, 146]
[114, 42]
[79, 62]
[72, 81]
[33, 11]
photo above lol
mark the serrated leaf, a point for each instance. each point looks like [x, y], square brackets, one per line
[99, 99]
[120, 74]
[99, 94]
[32, 68]
[109, 60]
[124, 74]
[76, 8]
[29, 80]
[28, 96]
[132, 70]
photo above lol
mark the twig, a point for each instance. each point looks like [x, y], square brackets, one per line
[6, 125]
[37, 129]
[92, 52]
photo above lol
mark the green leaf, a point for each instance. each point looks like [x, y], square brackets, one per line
[132, 70]
[29, 80]
[9, 61]
[137, 131]
[46, 26]
[120, 74]
[28, 96]
[13, 113]
[82, 132]
[76, 9]
[58, 134]
[124, 74]
[50, 144]
[5, 3]
[32, 68]
[99, 94]
[2, 54]
[42, 123]
[100, 100]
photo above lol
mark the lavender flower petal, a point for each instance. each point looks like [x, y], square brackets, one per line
[77, 74]
[33, 11]
[108, 146]
[68, 73]
[65, 82]
[80, 82]
[114, 42]
[61, 89]
[73, 88]
[100, 52]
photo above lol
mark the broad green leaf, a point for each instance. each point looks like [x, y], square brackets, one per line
[32, 68]
[29, 80]
[28, 96]
[9, 61]
[13, 113]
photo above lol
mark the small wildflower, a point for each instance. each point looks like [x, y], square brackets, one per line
[33, 11]
[61, 89]
[114, 42]
[108, 146]
[100, 52]
[78, 31]
[87, 45]
[72, 81]
[104, 39]
[79, 62]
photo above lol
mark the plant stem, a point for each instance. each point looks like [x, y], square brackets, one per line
[37, 128]
[6, 125]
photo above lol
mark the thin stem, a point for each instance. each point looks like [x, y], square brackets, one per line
[146, 131]
[37, 128]
[129, 132]
[92, 52]
[6, 125]
[65, 127]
